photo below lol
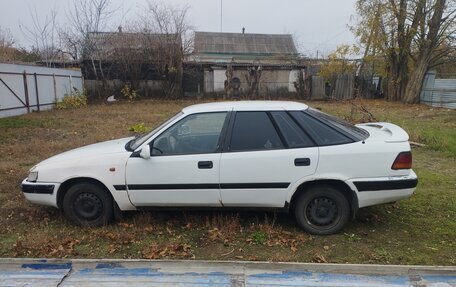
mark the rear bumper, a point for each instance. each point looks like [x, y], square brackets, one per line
[363, 186]
[372, 191]
[44, 193]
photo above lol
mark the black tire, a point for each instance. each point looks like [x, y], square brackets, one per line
[87, 204]
[322, 210]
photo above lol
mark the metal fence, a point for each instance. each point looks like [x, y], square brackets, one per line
[438, 92]
[25, 88]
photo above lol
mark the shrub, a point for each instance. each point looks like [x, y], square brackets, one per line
[139, 128]
[77, 99]
[129, 93]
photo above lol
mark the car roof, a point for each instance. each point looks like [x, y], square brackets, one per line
[244, 106]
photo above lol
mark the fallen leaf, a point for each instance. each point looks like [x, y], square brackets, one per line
[318, 258]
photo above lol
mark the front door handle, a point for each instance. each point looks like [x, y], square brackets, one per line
[302, 161]
[205, 164]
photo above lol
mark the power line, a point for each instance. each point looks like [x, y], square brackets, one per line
[330, 38]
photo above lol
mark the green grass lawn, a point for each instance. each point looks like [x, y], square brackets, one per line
[418, 230]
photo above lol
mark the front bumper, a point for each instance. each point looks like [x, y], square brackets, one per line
[373, 191]
[44, 193]
[38, 188]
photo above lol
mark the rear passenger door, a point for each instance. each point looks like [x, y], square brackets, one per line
[265, 153]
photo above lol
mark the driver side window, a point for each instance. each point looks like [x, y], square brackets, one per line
[197, 133]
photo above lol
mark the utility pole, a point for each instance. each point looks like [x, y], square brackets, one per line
[221, 15]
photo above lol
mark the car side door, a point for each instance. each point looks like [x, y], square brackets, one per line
[266, 152]
[184, 166]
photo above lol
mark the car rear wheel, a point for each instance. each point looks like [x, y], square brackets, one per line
[322, 210]
[87, 204]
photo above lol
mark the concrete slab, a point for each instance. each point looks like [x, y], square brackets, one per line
[54, 272]
[32, 273]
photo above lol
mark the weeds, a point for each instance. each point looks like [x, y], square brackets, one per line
[77, 99]
[352, 237]
[129, 93]
[139, 128]
[259, 237]
[381, 255]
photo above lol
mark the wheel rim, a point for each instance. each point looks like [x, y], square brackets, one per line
[88, 206]
[322, 212]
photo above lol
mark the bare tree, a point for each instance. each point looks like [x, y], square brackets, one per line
[7, 50]
[131, 53]
[229, 84]
[171, 41]
[43, 36]
[302, 85]
[158, 39]
[86, 19]
[253, 77]
[85, 16]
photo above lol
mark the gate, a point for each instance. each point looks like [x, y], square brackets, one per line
[25, 88]
[438, 92]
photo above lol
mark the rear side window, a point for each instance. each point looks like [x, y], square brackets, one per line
[292, 133]
[344, 127]
[254, 131]
[320, 132]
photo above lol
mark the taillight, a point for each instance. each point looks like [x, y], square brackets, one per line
[403, 161]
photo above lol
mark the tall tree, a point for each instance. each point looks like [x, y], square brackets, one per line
[406, 33]
[431, 37]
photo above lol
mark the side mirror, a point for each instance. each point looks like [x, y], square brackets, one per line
[145, 152]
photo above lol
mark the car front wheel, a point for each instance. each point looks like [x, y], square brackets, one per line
[87, 204]
[322, 210]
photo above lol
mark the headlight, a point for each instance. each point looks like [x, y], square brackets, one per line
[33, 176]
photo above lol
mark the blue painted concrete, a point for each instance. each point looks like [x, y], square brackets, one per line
[285, 274]
[47, 266]
[119, 271]
[440, 278]
[51, 273]
[108, 265]
[325, 279]
[114, 276]
[33, 274]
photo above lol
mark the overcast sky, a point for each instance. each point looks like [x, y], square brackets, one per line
[318, 25]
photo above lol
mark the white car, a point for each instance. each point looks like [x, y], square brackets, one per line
[252, 154]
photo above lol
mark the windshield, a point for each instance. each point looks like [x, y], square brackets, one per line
[352, 130]
[136, 142]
